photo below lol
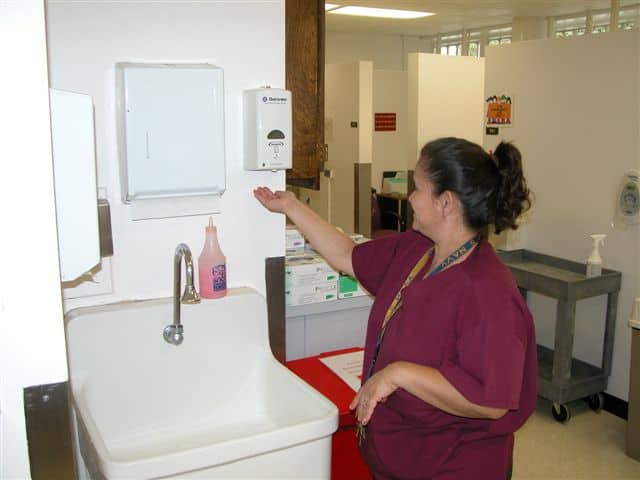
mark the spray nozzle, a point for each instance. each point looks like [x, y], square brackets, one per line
[598, 239]
[211, 226]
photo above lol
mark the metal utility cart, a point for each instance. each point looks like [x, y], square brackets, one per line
[563, 378]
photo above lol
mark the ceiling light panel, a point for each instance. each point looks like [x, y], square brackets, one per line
[380, 12]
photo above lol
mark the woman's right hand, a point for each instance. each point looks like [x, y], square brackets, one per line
[278, 201]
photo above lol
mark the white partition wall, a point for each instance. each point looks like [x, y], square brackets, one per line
[576, 121]
[390, 148]
[348, 134]
[445, 96]
[32, 346]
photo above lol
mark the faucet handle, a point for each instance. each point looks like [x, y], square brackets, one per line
[190, 295]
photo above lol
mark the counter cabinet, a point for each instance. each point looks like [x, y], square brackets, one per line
[326, 326]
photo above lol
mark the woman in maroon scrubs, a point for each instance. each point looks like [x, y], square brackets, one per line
[450, 365]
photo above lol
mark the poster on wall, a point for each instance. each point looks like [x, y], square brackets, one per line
[385, 122]
[499, 111]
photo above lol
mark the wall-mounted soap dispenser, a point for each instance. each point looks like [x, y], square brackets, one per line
[267, 129]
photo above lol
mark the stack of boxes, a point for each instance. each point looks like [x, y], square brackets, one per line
[309, 278]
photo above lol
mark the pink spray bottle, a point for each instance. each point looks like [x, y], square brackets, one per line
[212, 269]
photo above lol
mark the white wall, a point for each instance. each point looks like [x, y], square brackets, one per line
[347, 99]
[577, 126]
[387, 52]
[250, 48]
[32, 348]
[85, 40]
[445, 98]
[391, 150]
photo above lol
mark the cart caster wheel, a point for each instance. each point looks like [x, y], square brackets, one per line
[595, 402]
[561, 412]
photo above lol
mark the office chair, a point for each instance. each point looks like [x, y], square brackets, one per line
[377, 230]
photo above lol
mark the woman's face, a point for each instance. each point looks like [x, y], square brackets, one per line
[424, 203]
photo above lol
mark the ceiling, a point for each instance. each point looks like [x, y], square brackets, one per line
[456, 15]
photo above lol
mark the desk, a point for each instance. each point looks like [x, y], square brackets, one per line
[397, 203]
[346, 462]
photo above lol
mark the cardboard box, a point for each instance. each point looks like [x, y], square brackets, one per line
[306, 276]
[306, 263]
[310, 294]
[294, 240]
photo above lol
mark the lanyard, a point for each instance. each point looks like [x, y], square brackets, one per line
[397, 301]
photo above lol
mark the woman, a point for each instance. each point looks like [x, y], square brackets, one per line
[450, 365]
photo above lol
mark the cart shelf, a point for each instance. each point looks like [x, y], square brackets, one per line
[563, 378]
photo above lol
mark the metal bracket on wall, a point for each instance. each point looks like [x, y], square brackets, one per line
[48, 422]
[104, 226]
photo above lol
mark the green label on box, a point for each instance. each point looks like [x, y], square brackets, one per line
[347, 284]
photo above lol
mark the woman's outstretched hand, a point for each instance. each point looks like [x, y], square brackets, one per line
[274, 201]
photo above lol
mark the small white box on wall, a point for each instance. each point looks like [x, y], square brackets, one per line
[267, 129]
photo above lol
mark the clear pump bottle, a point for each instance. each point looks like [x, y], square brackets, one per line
[212, 265]
[594, 262]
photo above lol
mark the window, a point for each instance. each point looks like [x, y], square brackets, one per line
[499, 36]
[628, 17]
[474, 49]
[600, 22]
[570, 27]
[451, 45]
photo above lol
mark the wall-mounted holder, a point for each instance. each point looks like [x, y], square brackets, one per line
[74, 172]
[104, 226]
[170, 138]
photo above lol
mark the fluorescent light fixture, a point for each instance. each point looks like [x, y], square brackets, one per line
[330, 6]
[380, 12]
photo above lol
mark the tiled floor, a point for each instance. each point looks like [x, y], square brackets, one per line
[588, 447]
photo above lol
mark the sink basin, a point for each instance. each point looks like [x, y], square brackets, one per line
[217, 406]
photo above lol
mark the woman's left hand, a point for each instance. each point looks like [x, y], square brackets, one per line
[376, 389]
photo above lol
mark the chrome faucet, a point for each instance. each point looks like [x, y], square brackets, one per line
[173, 333]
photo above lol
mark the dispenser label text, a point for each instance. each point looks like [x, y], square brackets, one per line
[279, 100]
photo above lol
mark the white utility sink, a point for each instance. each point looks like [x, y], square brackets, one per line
[217, 406]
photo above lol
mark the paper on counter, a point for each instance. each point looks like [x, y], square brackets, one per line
[348, 366]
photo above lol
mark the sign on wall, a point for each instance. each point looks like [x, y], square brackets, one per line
[499, 111]
[385, 122]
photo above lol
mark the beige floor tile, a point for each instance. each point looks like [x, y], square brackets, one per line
[588, 447]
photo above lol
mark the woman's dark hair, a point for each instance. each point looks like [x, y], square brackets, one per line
[491, 187]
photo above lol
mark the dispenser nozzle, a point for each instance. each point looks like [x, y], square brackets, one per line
[598, 239]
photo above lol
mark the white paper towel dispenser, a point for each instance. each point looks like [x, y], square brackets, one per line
[74, 172]
[170, 130]
[267, 129]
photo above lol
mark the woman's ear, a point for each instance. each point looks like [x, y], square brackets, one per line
[447, 202]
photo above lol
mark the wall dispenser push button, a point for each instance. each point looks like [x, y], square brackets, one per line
[267, 129]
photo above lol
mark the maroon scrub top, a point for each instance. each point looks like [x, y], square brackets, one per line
[471, 323]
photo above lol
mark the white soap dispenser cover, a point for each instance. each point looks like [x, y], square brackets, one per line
[594, 262]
